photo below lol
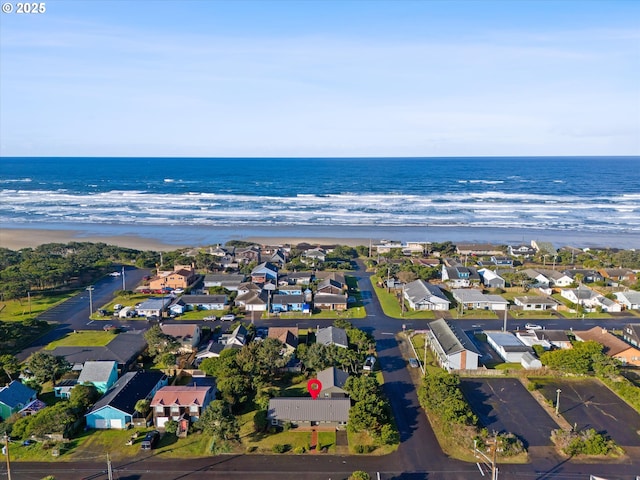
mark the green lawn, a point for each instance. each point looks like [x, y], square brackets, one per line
[84, 338]
[392, 308]
[22, 309]
[432, 366]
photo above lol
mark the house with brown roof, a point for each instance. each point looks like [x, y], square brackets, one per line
[288, 336]
[180, 402]
[619, 274]
[613, 346]
[187, 334]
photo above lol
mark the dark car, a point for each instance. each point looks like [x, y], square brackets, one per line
[150, 440]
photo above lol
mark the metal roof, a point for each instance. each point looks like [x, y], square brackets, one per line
[305, 409]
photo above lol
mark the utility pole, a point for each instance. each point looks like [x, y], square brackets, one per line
[506, 308]
[29, 297]
[124, 283]
[558, 401]
[109, 471]
[489, 461]
[90, 290]
[424, 364]
[6, 447]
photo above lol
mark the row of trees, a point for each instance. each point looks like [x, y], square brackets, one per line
[53, 265]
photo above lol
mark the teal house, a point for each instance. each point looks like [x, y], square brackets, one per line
[116, 409]
[14, 397]
[102, 374]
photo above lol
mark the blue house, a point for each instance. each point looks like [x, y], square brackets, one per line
[14, 397]
[116, 409]
[101, 374]
[287, 303]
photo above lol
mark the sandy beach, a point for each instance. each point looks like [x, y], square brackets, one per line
[17, 238]
[172, 237]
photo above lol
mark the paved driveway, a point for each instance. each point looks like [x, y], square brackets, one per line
[589, 404]
[505, 405]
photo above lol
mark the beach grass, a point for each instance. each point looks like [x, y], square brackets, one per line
[392, 307]
[84, 338]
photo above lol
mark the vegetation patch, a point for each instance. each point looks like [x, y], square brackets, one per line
[391, 305]
[584, 442]
[84, 338]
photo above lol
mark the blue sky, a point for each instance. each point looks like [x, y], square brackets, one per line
[321, 78]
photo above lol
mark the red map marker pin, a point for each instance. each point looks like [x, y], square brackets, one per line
[314, 386]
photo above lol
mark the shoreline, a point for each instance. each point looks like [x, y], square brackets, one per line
[173, 237]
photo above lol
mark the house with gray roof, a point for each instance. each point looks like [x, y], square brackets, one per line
[460, 277]
[124, 349]
[101, 374]
[535, 303]
[154, 306]
[332, 379]
[229, 281]
[471, 298]
[507, 345]
[631, 334]
[491, 279]
[307, 412]
[116, 409]
[630, 299]
[204, 302]
[330, 301]
[332, 336]
[421, 295]
[589, 299]
[452, 346]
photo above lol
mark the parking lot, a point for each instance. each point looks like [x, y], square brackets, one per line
[505, 405]
[589, 404]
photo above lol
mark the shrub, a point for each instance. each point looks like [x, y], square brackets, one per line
[280, 448]
[286, 426]
[533, 386]
[299, 450]
[586, 442]
[360, 475]
[363, 448]
[260, 421]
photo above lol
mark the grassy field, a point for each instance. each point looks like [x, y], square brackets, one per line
[22, 309]
[418, 342]
[391, 306]
[84, 338]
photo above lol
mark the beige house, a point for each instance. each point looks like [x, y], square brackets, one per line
[613, 346]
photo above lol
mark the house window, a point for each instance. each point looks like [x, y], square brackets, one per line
[175, 410]
[194, 408]
[274, 421]
[160, 409]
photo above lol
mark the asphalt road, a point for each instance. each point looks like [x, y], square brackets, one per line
[73, 314]
[418, 457]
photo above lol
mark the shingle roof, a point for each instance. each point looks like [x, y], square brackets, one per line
[301, 409]
[287, 335]
[332, 335]
[612, 344]
[97, 371]
[181, 395]
[179, 330]
[16, 394]
[332, 377]
[129, 388]
[451, 338]
[125, 346]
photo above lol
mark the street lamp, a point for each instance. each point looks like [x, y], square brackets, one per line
[90, 290]
[558, 401]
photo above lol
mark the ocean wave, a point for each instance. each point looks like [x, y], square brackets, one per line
[489, 209]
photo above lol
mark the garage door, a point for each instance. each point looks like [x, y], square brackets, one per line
[116, 423]
[101, 423]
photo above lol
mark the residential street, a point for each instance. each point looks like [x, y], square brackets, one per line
[418, 457]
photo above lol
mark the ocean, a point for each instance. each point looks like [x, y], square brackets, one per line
[588, 198]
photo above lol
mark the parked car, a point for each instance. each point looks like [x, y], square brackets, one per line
[210, 317]
[532, 326]
[228, 318]
[150, 440]
[414, 363]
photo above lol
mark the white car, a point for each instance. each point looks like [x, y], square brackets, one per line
[414, 363]
[228, 318]
[532, 326]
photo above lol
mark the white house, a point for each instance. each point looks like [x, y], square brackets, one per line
[536, 303]
[590, 299]
[453, 348]
[421, 295]
[630, 300]
[472, 298]
[507, 345]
